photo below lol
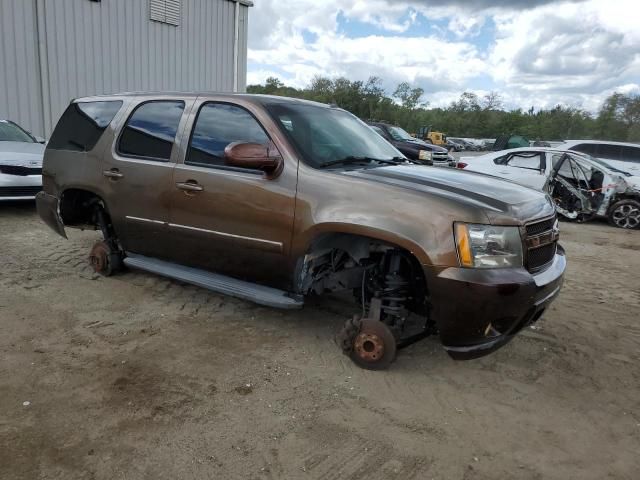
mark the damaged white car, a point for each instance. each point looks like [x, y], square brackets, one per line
[20, 163]
[582, 187]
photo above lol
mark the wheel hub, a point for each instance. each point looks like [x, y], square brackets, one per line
[99, 258]
[368, 346]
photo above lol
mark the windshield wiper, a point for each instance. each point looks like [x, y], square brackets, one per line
[353, 159]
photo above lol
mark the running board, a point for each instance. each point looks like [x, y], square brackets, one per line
[267, 296]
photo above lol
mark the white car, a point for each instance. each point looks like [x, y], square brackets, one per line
[20, 163]
[621, 155]
[581, 186]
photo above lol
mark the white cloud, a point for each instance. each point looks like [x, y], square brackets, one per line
[544, 53]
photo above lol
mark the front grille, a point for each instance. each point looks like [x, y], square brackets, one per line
[440, 157]
[540, 255]
[537, 258]
[19, 191]
[22, 171]
[540, 227]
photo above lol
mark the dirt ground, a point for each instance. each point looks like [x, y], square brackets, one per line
[139, 377]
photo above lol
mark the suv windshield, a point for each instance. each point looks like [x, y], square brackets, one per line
[399, 134]
[10, 132]
[330, 136]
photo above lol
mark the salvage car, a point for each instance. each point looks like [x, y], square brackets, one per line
[583, 187]
[20, 163]
[272, 199]
[413, 148]
[620, 155]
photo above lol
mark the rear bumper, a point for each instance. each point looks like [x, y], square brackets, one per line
[479, 311]
[48, 209]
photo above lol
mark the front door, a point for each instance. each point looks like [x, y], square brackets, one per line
[229, 220]
[138, 174]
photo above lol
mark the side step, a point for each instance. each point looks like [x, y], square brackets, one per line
[267, 296]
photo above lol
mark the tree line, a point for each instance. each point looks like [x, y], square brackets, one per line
[470, 115]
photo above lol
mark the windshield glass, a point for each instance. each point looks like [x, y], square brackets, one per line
[10, 132]
[399, 134]
[327, 135]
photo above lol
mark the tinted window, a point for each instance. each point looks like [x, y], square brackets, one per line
[82, 124]
[610, 152]
[631, 154]
[151, 130]
[218, 125]
[589, 148]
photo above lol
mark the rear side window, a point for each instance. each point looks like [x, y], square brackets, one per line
[589, 148]
[218, 125]
[609, 152]
[530, 161]
[151, 130]
[82, 125]
[631, 154]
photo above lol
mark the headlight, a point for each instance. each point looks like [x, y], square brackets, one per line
[424, 155]
[487, 246]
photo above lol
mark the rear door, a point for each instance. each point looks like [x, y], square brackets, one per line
[230, 220]
[137, 173]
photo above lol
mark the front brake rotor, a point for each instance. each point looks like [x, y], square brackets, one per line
[374, 346]
[100, 259]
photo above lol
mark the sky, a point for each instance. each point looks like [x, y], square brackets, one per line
[533, 53]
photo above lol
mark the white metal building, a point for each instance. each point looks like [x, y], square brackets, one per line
[52, 51]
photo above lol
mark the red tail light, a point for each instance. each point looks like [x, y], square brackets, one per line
[461, 165]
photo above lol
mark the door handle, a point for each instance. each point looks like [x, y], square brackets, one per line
[190, 186]
[114, 173]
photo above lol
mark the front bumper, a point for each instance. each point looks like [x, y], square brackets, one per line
[478, 311]
[18, 187]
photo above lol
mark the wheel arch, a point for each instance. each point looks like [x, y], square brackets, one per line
[77, 206]
[332, 234]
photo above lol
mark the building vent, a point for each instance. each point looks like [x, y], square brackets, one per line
[165, 11]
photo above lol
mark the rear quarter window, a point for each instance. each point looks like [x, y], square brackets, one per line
[82, 124]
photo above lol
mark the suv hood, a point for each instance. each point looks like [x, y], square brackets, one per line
[21, 154]
[501, 200]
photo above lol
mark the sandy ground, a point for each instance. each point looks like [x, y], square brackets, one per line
[139, 377]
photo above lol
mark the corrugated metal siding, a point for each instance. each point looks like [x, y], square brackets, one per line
[20, 96]
[112, 46]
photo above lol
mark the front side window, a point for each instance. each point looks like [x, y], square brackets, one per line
[325, 135]
[82, 125]
[151, 130]
[218, 125]
[10, 132]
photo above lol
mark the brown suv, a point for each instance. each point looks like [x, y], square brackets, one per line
[273, 199]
